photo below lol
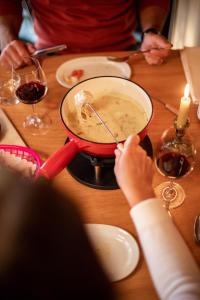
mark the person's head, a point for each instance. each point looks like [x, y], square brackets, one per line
[44, 250]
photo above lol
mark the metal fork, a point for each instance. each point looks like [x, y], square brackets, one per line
[136, 52]
[48, 50]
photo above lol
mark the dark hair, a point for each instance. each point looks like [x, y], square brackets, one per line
[44, 250]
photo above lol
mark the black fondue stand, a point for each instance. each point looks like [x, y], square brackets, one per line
[97, 172]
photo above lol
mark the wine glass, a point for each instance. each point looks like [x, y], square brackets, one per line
[9, 81]
[31, 90]
[175, 158]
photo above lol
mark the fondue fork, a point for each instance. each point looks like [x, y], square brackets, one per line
[119, 145]
[135, 52]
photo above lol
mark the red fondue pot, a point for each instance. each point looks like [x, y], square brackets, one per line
[98, 85]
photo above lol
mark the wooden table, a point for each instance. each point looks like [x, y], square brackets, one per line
[166, 82]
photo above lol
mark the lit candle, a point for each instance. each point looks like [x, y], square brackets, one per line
[184, 108]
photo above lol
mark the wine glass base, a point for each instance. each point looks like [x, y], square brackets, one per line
[37, 124]
[172, 194]
[9, 101]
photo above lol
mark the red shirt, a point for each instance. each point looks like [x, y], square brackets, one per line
[85, 26]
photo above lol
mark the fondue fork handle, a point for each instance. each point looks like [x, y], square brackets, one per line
[120, 146]
[59, 160]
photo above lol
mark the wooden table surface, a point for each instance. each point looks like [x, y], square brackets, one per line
[165, 82]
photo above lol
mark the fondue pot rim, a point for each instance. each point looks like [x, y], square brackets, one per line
[108, 76]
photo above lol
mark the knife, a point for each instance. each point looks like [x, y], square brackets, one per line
[48, 50]
[167, 106]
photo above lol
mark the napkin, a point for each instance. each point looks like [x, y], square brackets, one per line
[9, 134]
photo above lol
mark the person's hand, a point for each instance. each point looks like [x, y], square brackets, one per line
[134, 171]
[152, 40]
[16, 54]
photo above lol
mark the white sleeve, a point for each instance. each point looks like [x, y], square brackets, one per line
[173, 269]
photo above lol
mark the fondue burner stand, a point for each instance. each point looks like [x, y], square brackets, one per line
[98, 172]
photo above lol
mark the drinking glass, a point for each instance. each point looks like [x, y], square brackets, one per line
[175, 158]
[31, 90]
[9, 81]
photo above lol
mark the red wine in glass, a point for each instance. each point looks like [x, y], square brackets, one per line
[173, 164]
[31, 92]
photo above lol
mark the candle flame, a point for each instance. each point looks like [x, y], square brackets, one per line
[187, 90]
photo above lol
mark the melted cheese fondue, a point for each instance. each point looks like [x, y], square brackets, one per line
[122, 115]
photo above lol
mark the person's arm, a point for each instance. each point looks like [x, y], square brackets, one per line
[13, 51]
[153, 15]
[173, 269]
[171, 265]
[9, 28]
[10, 21]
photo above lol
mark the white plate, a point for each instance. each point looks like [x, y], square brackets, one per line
[117, 249]
[92, 67]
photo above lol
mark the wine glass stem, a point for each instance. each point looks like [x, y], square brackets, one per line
[171, 185]
[169, 193]
[33, 108]
[167, 201]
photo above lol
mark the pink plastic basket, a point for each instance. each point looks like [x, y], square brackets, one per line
[24, 153]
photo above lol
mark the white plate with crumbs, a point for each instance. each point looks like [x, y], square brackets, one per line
[76, 70]
[117, 249]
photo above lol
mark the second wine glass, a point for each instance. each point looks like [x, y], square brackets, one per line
[175, 158]
[31, 90]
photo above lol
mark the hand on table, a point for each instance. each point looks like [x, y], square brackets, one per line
[152, 40]
[16, 54]
[134, 171]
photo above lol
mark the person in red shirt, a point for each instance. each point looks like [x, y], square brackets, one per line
[89, 26]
